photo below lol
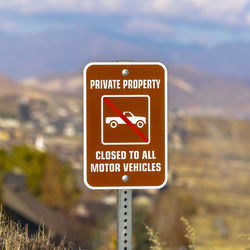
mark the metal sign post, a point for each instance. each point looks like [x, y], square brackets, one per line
[124, 219]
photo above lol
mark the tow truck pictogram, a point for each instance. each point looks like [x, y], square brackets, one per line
[140, 121]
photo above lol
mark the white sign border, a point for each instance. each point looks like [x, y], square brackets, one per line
[85, 126]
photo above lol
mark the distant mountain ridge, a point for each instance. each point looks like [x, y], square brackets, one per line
[231, 59]
[64, 51]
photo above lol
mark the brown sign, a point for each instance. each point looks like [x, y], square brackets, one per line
[125, 125]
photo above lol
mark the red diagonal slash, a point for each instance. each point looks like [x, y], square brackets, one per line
[125, 119]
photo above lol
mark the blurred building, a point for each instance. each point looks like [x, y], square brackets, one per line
[24, 109]
[39, 144]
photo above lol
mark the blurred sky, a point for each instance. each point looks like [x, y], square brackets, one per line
[36, 36]
[204, 22]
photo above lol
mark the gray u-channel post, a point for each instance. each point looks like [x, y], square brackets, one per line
[124, 209]
[124, 219]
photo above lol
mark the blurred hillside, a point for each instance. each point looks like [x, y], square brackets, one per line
[200, 93]
[194, 91]
[210, 158]
[67, 84]
[208, 162]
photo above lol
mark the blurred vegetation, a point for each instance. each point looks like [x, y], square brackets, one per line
[157, 244]
[57, 183]
[247, 238]
[191, 234]
[170, 206]
[46, 176]
[208, 187]
[140, 219]
[209, 158]
[154, 239]
[13, 236]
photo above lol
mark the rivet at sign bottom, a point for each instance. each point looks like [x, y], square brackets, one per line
[125, 178]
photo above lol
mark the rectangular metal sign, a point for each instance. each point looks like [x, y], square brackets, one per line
[125, 125]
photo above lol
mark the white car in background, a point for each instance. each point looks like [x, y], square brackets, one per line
[139, 121]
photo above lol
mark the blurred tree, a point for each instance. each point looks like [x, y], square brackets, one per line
[46, 176]
[140, 219]
[3, 167]
[31, 163]
[58, 184]
[4, 159]
[169, 208]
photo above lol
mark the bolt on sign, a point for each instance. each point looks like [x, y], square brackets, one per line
[125, 125]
